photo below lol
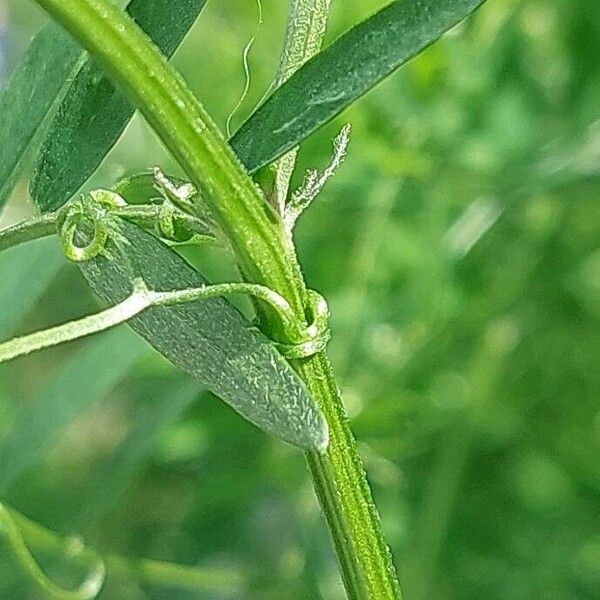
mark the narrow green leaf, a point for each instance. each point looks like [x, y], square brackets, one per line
[49, 70]
[211, 340]
[31, 94]
[343, 72]
[26, 272]
[93, 113]
[84, 380]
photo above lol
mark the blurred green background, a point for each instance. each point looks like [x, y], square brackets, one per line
[459, 248]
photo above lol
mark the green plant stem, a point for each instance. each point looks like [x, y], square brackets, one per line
[28, 231]
[339, 477]
[144, 215]
[139, 569]
[345, 496]
[257, 236]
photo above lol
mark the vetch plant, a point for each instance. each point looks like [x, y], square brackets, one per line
[275, 372]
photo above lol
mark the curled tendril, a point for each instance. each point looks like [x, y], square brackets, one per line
[88, 590]
[91, 212]
[315, 337]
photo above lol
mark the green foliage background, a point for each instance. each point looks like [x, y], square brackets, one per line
[459, 247]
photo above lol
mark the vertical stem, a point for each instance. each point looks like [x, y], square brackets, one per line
[339, 477]
[345, 496]
[262, 248]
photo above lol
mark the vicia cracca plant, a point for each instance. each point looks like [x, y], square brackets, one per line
[67, 104]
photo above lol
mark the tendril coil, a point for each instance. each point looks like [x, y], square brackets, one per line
[91, 212]
[316, 336]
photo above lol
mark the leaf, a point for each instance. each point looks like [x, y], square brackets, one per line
[212, 341]
[92, 114]
[31, 94]
[342, 73]
[26, 272]
[84, 380]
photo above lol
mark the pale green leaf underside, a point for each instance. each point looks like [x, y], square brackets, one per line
[212, 341]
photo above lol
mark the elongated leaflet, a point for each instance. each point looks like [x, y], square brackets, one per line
[342, 73]
[93, 114]
[211, 340]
